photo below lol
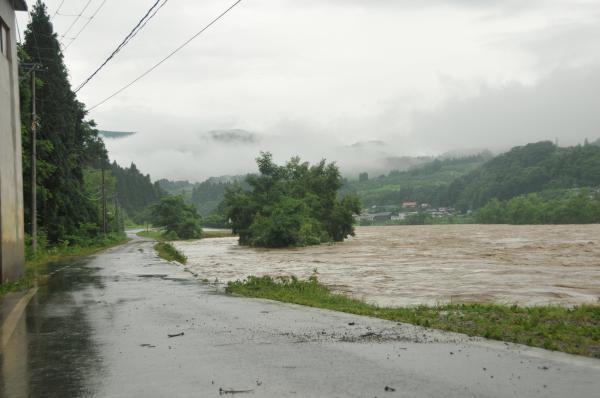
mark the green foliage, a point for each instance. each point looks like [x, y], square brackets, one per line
[527, 169]
[424, 184]
[168, 252]
[135, 191]
[291, 205]
[67, 143]
[572, 207]
[573, 330]
[180, 220]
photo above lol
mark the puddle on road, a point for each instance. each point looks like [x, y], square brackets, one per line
[396, 266]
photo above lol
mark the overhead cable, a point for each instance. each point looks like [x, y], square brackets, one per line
[172, 53]
[90, 19]
[78, 17]
[141, 23]
[58, 9]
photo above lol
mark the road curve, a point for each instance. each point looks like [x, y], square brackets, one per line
[101, 328]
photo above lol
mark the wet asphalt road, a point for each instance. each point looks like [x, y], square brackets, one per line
[101, 328]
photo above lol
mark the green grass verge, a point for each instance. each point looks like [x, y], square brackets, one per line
[152, 234]
[35, 265]
[168, 252]
[572, 330]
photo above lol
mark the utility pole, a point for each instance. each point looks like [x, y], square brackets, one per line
[116, 213]
[33, 164]
[103, 202]
[34, 67]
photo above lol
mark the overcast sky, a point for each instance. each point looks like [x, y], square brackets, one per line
[313, 77]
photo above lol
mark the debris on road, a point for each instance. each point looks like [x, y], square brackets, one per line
[389, 389]
[176, 335]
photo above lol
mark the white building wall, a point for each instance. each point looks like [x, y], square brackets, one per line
[11, 183]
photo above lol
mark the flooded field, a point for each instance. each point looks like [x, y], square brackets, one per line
[403, 265]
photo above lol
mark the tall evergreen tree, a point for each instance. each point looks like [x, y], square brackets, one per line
[67, 142]
[135, 191]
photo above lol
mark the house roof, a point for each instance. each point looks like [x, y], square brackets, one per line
[19, 5]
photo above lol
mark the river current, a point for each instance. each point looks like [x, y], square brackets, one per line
[408, 265]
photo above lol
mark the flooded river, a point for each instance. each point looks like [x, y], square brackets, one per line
[408, 265]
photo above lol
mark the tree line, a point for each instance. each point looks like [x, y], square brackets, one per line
[80, 195]
[573, 207]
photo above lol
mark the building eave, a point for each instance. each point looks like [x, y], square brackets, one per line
[19, 5]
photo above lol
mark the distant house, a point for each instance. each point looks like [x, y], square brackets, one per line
[399, 217]
[386, 216]
[363, 217]
[410, 205]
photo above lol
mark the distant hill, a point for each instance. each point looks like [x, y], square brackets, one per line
[206, 195]
[115, 134]
[427, 183]
[526, 169]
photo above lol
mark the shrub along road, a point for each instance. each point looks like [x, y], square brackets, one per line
[126, 323]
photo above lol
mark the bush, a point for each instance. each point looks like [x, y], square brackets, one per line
[291, 205]
[179, 219]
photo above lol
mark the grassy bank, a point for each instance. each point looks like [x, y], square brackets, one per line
[35, 265]
[168, 252]
[165, 250]
[156, 234]
[572, 330]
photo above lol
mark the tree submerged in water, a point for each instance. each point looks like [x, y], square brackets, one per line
[291, 205]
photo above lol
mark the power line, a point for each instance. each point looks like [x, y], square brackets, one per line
[58, 9]
[141, 23]
[172, 53]
[76, 19]
[90, 19]
[148, 20]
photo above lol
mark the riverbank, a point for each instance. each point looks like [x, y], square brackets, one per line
[572, 330]
[35, 264]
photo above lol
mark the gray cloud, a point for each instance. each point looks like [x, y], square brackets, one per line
[564, 106]
[313, 77]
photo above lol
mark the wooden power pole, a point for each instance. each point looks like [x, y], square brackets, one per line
[33, 165]
[103, 202]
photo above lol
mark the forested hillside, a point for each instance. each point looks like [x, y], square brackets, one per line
[531, 168]
[135, 191]
[175, 187]
[206, 195]
[424, 184]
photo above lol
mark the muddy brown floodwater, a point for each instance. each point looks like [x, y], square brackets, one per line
[397, 266]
